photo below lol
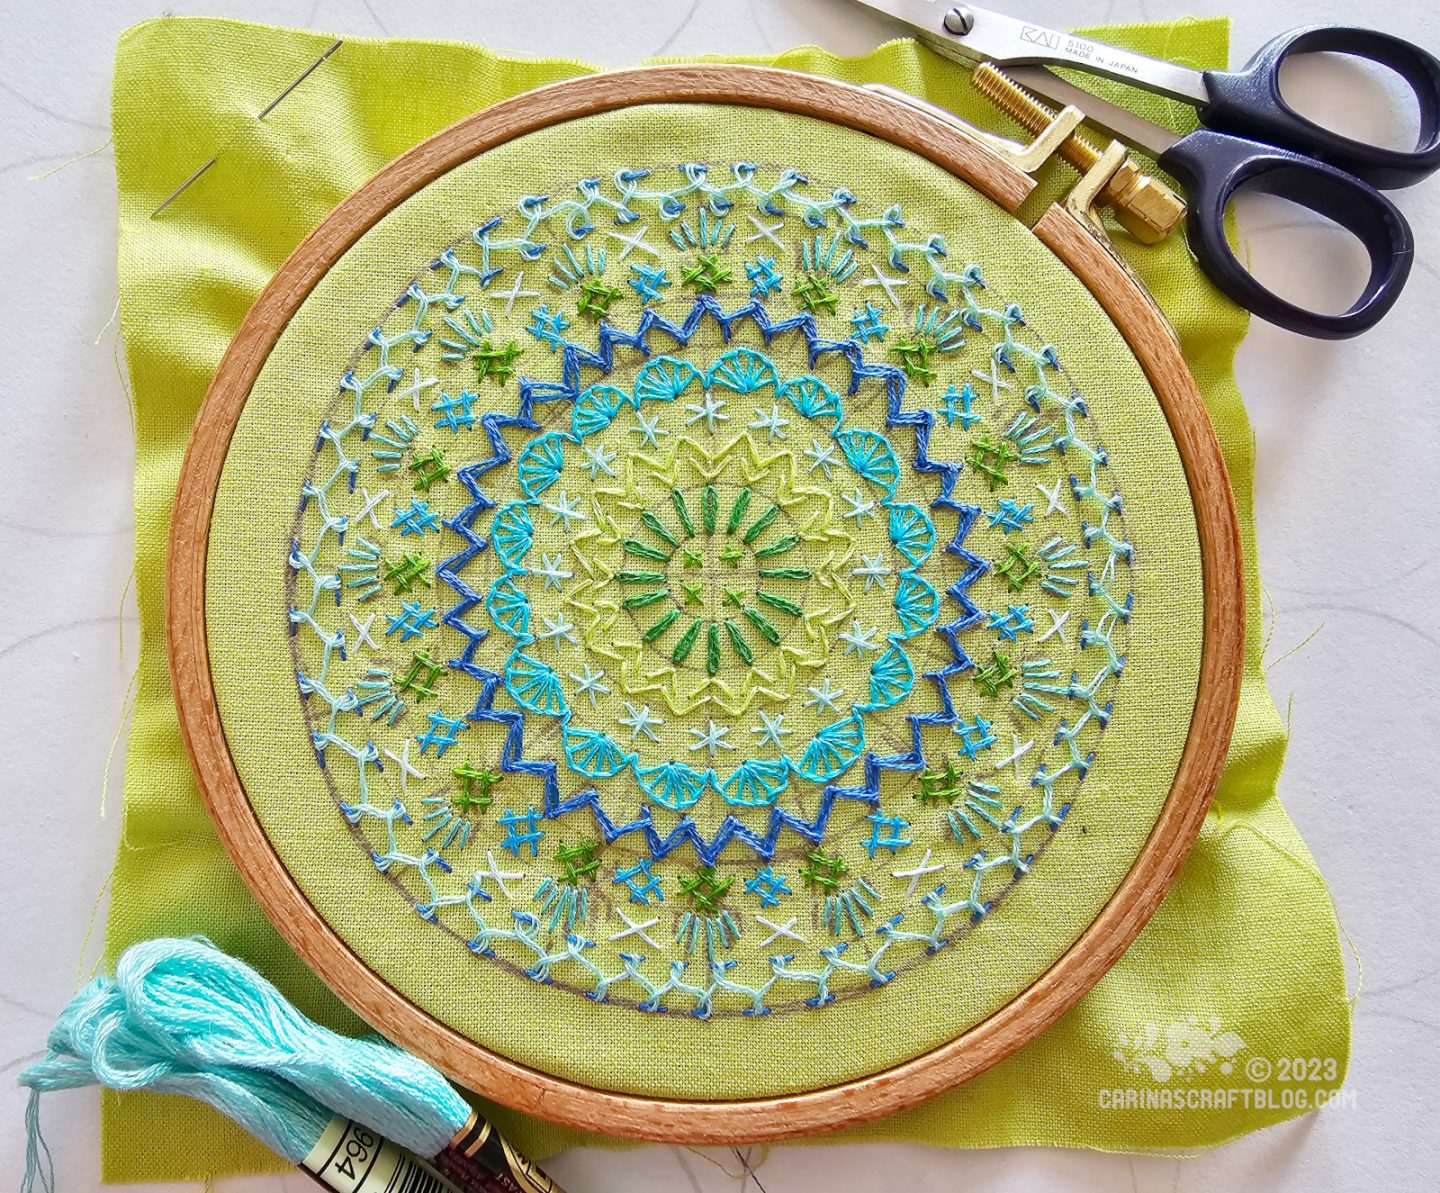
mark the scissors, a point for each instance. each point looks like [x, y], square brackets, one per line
[1250, 140]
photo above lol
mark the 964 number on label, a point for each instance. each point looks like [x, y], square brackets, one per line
[351, 1158]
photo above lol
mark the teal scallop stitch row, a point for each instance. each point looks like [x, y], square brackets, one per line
[536, 688]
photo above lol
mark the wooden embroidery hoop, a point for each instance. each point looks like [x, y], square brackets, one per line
[1074, 239]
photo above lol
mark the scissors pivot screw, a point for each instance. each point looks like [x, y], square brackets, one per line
[1143, 206]
[959, 21]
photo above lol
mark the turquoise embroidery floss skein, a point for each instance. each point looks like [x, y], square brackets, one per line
[182, 1017]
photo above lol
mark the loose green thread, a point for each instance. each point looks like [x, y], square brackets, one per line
[778, 547]
[778, 602]
[645, 550]
[758, 620]
[665, 621]
[737, 640]
[659, 528]
[641, 600]
[760, 525]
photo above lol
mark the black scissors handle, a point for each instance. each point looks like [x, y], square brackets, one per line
[1248, 103]
[1213, 168]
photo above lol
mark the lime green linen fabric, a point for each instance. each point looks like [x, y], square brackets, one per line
[1241, 959]
[935, 996]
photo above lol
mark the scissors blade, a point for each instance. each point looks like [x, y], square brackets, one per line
[970, 34]
[1119, 122]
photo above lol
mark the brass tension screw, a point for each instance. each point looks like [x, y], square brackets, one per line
[1143, 206]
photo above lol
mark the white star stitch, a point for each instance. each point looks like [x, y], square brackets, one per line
[640, 720]
[362, 631]
[633, 929]
[822, 456]
[565, 509]
[711, 739]
[513, 293]
[416, 388]
[1057, 626]
[598, 459]
[778, 930]
[1052, 497]
[558, 627]
[550, 569]
[707, 412]
[860, 507]
[918, 872]
[497, 874]
[858, 639]
[874, 569]
[771, 730]
[824, 696]
[765, 231]
[587, 683]
[889, 284]
[648, 429]
[771, 422]
[636, 242]
[992, 379]
[368, 504]
[402, 760]
[1019, 752]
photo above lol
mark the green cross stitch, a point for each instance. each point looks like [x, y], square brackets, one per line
[475, 786]
[915, 358]
[705, 892]
[429, 469]
[422, 676]
[815, 293]
[937, 785]
[987, 457]
[596, 297]
[1000, 674]
[693, 590]
[823, 870]
[579, 861]
[409, 572]
[498, 363]
[707, 274]
[1018, 566]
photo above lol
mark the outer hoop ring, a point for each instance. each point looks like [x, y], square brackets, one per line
[520, 1087]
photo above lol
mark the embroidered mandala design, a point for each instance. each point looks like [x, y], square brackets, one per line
[708, 598]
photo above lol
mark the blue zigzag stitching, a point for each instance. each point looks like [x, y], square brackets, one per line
[574, 357]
